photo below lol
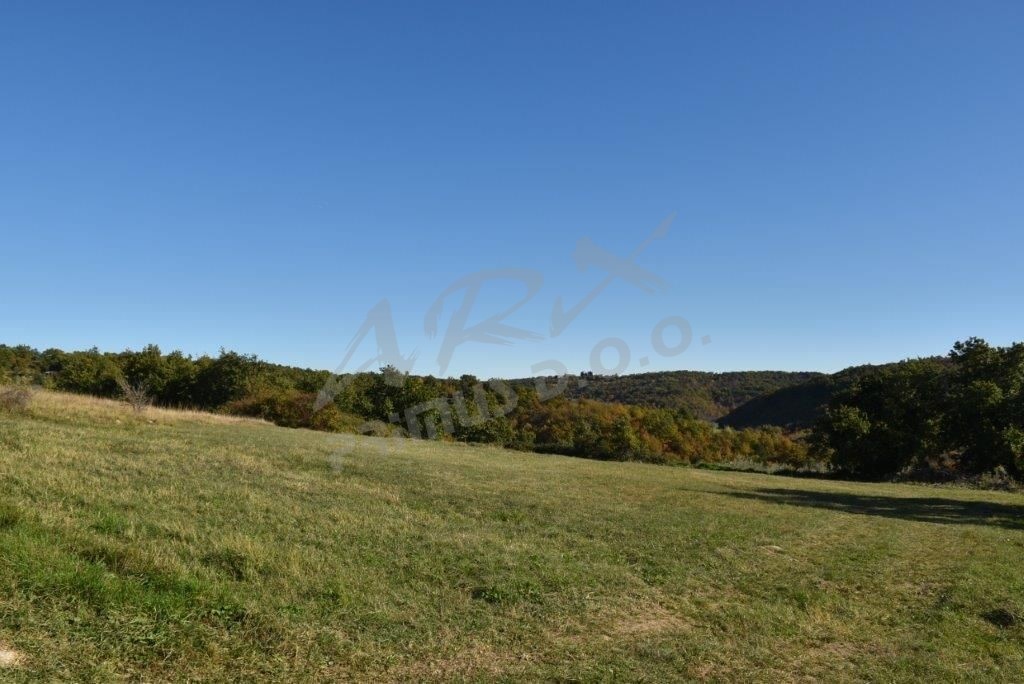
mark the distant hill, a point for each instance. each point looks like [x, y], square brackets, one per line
[796, 406]
[709, 396]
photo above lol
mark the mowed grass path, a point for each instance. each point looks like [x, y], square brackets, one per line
[180, 546]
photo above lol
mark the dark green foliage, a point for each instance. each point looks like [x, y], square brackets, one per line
[796, 407]
[227, 378]
[985, 416]
[147, 368]
[88, 373]
[887, 421]
[180, 375]
[962, 414]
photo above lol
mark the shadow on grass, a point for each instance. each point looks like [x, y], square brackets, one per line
[780, 471]
[931, 509]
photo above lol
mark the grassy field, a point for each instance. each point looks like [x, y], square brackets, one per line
[174, 546]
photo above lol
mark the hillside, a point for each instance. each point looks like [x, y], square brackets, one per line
[175, 546]
[703, 395]
[797, 406]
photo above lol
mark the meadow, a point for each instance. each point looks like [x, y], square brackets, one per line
[174, 546]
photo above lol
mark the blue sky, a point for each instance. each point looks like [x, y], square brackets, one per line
[848, 177]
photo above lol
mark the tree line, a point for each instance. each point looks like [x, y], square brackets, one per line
[517, 415]
[962, 414]
[959, 415]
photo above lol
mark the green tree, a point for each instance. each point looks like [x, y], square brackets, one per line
[986, 415]
[887, 421]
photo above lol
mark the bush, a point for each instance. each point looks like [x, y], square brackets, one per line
[15, 399]
[294, 409]
[135, 395]
[378, 428]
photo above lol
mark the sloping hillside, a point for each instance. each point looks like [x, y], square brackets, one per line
[795, 407]
[169, 547]
[703, 395]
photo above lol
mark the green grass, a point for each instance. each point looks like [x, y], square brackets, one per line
[180, 546]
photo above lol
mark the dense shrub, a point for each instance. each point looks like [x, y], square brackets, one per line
[887, 421]
[292, 408]
[88, 373]
[15, 399]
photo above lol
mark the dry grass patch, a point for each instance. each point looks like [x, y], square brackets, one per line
[15, 399]
[10, 658]
[650, 620]
[58, 405]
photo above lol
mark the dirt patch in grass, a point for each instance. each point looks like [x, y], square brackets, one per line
[652, 620]
[10, 659]
[478, 660]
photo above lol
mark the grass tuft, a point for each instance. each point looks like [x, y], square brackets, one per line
[234, 564]
[9, 516]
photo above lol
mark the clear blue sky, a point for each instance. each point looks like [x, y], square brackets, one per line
[848, 177]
